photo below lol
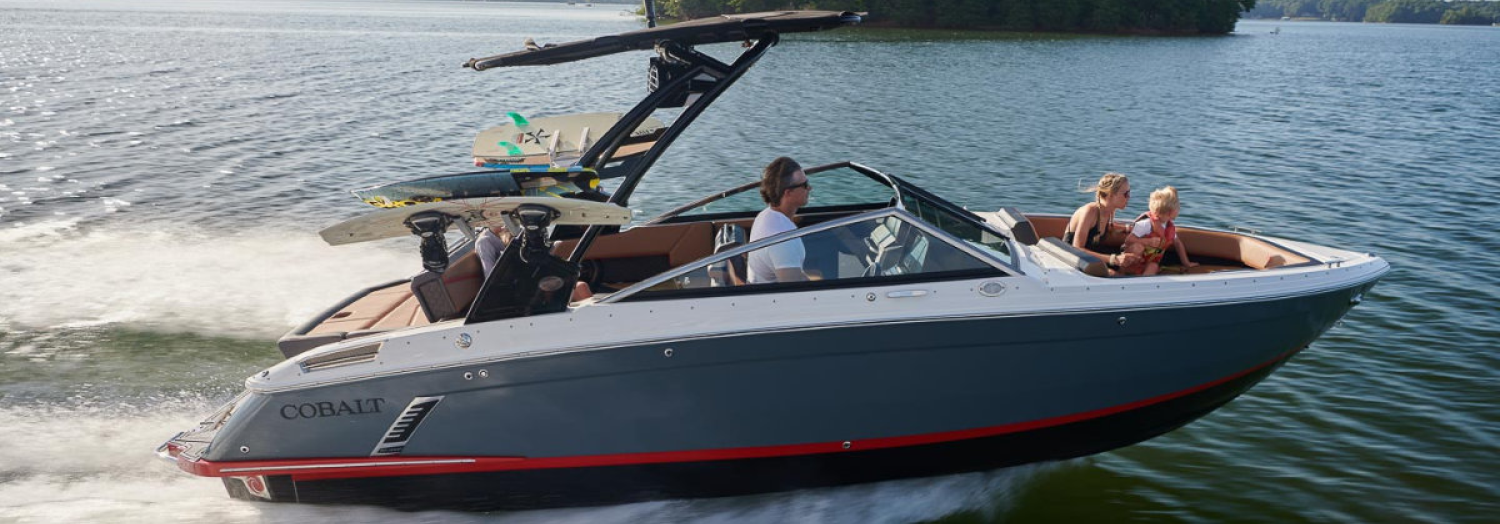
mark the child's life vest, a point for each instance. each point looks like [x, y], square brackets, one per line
[1168, 234]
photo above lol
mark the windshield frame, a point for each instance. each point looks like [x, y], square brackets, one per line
[1006, 267]
[877, 176]
[900, 188]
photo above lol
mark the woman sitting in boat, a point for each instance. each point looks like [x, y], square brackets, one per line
[1097, 220]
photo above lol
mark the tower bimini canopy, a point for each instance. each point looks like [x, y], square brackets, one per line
[713, 30]
[679, 76]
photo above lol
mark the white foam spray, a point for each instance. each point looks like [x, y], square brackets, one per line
[87, 461]
[249, 283]
[92, 464]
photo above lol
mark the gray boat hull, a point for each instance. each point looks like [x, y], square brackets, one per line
[762, 411]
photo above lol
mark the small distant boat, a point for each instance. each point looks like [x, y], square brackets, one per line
[1276, 31]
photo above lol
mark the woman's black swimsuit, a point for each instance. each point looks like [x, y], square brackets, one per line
[1095, 241]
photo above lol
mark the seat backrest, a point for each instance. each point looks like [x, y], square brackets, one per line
[448, 294]
[1020, 228]
[730, 272]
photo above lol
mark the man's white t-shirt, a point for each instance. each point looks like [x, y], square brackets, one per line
[764, 262]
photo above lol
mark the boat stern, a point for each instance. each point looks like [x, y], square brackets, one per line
[187, 448]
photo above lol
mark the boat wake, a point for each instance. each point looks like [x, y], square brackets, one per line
[63, 274]
[86, 463]
[87, 457]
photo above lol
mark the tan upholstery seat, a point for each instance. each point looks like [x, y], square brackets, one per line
[365, 312]
[448, 295]
[681, 243]
[1249, 252]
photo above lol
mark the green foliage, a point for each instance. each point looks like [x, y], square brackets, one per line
[1384, 11]
[958, 13]
[1407, 11]
[1108, 16]
[1018, 15]
[1219, 17]
[690, 8]
[756, 6]
[1059, 15]
[914, 12]
[1164, 16]
[1472, 13]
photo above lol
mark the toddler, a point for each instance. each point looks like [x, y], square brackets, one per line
[1154, 232]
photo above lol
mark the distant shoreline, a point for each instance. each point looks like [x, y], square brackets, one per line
[1440, 12]
[1315, 19]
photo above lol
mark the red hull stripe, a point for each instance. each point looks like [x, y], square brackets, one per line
[333, 468]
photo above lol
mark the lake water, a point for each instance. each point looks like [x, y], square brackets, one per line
[165, 165]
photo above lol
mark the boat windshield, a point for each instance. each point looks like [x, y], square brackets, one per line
[848, 187]
[839, 187]
[885, 247]
[955, 221]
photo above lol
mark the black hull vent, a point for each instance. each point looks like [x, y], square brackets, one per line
[405, 426]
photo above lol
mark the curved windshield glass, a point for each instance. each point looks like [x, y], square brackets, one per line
[864, 252]
[965, 228]
[837, 187]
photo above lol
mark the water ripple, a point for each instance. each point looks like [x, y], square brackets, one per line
[215, 138]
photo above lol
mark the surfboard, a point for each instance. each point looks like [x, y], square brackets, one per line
[518, 181]
[479, 212]
[557, 140]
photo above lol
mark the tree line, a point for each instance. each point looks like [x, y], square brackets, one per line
[1461, 12]
[1102, 16]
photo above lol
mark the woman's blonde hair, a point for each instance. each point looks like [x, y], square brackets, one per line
[1164, 199]
[1108, 184]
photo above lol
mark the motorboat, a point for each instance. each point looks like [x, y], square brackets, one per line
[934, 339]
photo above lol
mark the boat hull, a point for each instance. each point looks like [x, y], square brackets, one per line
[602, 485]
[772, 411]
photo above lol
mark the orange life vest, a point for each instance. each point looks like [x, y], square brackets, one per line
[1168, 234]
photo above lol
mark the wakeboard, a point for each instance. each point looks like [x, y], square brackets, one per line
[517, 181]
[479, 212]
[558, 140]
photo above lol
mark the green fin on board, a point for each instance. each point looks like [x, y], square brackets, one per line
[519, 120]
[511, 149]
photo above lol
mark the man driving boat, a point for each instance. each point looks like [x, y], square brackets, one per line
[785, 189]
